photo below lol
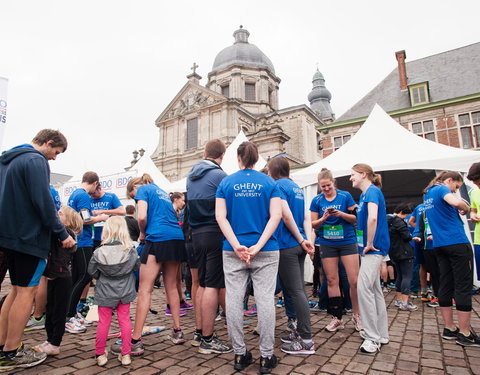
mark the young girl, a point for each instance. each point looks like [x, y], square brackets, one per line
[59, 286]
[112, 265]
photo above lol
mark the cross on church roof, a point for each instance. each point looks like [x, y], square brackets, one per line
[194, 67]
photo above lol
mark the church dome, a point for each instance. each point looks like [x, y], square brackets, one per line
[242, 53]
[319, 91]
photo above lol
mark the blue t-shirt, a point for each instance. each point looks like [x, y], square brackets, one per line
[247, 195]
[335, 230]
[381, 241]
[162, 223]
[293, 195]
[445, 222]
[81, 200]
[109, 201]
[56, 198]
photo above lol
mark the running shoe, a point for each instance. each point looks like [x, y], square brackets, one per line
[385, 290]
[369, 347]
[34, 323]
[279, 302]
[425, 297]
[298, 346]
[471, 340]
[391, 285]
[81, 319]
[241, 362]
[186, 306]
[383, 340]
[334, 325]
[312, 304]
[197, 339]
[176, 337]
[136, 349]
[73, 326]
[433, 302]
[397, 302]
[268, 364]
[245, 324]
[214, 346]
[125, 359]
[407, 307]
[292, 336]
[46, 347]
[448, 334]
[357, 322]
[23, 358]
[188, 295]
[168, 312]
[252, 312]
[102, 359]
[292, 324]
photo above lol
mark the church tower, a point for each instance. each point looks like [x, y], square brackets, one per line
[320, 97]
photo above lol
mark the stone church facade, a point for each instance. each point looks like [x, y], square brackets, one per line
[241, 94]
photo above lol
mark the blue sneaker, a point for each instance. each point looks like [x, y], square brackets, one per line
[279, 302]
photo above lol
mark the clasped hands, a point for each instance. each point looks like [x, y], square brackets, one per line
[246, 254]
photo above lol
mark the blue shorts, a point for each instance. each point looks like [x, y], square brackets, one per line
[418, 254]
[25, 270]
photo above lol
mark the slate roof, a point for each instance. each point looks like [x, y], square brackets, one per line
[450, 74]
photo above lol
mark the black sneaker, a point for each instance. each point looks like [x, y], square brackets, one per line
[448, 334]
[242, 361]
[267, 364]
[470, 340]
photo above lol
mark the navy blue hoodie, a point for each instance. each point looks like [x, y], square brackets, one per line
[202, 184]
[27, 211]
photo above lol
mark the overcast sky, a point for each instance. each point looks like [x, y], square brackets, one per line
[103, 71]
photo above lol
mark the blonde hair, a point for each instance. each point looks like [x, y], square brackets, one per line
[325, 174]
[144, 180]
[71, 219]
[115, 229]
[374, 178]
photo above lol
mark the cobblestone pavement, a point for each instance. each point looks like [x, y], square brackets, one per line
[415, 347]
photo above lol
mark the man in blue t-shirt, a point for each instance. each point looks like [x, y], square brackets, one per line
[81, 202]
[104, 203]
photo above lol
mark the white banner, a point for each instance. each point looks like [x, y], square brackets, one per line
[115, 183]
[3, 106]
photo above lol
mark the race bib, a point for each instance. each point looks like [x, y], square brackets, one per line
[360, 238]
[333, 232]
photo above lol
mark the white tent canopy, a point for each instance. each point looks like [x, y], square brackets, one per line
[229, 163]
[385, 145]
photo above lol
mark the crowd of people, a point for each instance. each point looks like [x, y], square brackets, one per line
[242, 234]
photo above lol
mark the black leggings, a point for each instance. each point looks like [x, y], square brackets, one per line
[58, 291]
[431, 262]
[456, 275]
[80, 277]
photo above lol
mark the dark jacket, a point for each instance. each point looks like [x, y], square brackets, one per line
[400, 237]
[202, 184]
[27, 211]
[113, 268]
[60, 259]
[133, 228]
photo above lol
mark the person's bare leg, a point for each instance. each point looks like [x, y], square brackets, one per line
[221, 299]
[209, 310]
[330, 266]
[179, 283]
[18, 315]
[40, 299]
[352, 267]
[148, 274]
[195, 298]
[447, 315]
[464, 321]
[170, 271]
[7, 304]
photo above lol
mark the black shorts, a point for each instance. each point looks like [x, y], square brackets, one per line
[191, 258]
[164, 251]
[208, 252]
[25, 270]
[335, 251]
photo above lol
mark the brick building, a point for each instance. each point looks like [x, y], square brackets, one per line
[436, 97]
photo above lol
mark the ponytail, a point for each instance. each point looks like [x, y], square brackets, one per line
[374, 178]
[442, 176]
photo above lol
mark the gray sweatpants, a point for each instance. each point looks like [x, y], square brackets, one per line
[263, 271]
[290, 269]
[370, 298]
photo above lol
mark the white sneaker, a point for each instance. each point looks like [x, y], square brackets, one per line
[125, 359]
[335, 324]
[84, 322]
[369, 347]
[73, 326]
[102, 359]
[383, 340]
[357, 322]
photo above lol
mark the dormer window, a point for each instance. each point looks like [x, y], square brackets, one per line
[419, 94]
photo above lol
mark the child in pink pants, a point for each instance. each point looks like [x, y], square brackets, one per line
[112, 265]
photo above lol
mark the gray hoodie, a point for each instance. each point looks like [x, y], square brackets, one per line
[113, 268]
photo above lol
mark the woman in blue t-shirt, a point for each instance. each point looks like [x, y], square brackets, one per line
[373, 243]
[248, 210]
[333, 218]
[454, 255]
[164, 248]
[294, 245]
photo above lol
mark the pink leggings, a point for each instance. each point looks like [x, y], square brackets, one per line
[105, 318]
